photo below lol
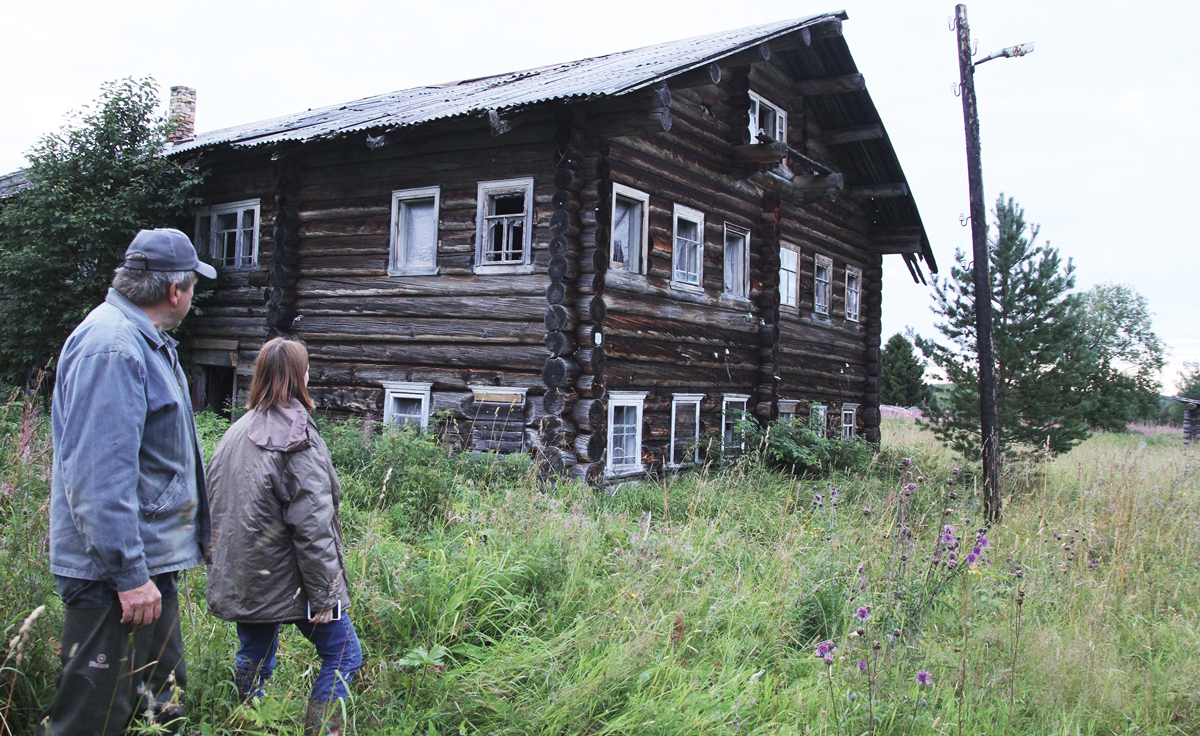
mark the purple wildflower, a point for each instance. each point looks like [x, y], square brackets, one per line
[924, 678]
[866, 511]
[853, 697]
[976, 551]
[910, 487]
[952, 564]
[906, 461]
[971, 557]
[947, 537]
[955, 471]
[862, 666]
[828, 659]
[833, 493]
[863, 614]
[982, 540]
[825, 648]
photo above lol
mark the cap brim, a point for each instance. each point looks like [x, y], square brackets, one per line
[205, 270]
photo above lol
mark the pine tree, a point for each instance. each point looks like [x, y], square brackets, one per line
[92, 186]
[1042, 359]
[902, 374]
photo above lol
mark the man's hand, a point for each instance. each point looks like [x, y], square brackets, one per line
[323, 617]
[141, 606]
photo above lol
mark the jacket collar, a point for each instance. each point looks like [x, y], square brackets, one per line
[139, 319]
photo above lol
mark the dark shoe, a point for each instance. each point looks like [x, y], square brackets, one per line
[323, 719]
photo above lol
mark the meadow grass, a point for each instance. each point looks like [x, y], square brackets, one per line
[491, 601]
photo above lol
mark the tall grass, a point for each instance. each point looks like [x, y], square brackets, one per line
[489, 601]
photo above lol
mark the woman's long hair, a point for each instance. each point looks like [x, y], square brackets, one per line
[279, 373]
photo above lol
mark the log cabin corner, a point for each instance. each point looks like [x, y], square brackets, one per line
[596, 262]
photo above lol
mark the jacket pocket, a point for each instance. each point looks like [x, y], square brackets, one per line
[167, 500]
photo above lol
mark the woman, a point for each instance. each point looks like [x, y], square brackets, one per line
[277, 545]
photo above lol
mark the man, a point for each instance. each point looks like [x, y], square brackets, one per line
[128, 508]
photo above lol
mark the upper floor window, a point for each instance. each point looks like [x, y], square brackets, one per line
[767, 120]
[685, 429]
[849, 419]
[737, 276]
[406, 402]
[414, 231]
[630, 222]
[503, 229]
[853, 293]
[228, 233]
[789, 272]
[688, 238]
[625, 431]
[822, 283]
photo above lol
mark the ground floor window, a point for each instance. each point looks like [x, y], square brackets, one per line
[625, 431]
[787, 409]
[406, 402]
[816, 418]
[849, 418]
[733, 408]
[685, 429]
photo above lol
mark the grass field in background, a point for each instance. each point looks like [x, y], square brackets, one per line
[738, 601]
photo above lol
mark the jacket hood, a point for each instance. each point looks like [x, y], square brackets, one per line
[280, 428]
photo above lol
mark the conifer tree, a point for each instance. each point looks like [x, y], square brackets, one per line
[902, 374]
[1042, 358]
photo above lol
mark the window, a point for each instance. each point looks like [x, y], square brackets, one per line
[733, 408]
[787, 409]
[625, 432]
[816, 418]
[503, 231]
[822, 281]
[766, 121]
[685, 429]
[689, 248]
[630, 223]
[228, 233]
[406, 402]
[737, 277]
[849, 414]
[414, 231]
[789, 281]
[853, 292]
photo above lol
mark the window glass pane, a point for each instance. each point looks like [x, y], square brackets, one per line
[627, 233]
[687, 251]
[506, 228]
[406, 410]
[686, 432]
[508, 204]
[735, 263]
[733, 412]
[789, 265]
[847, 422]
[204, 236]
[418, 220]
[816, 416]
[625, 452]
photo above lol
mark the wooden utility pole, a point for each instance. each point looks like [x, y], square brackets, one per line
[989, 423]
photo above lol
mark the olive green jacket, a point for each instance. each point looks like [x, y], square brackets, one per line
[273, 495]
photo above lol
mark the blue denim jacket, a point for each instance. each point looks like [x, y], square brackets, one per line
[127, 496]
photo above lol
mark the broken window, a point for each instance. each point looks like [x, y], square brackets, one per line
[689, 247]
[685, 429]
[628, 247]
[733, 409]
[503, 232]
[822, 283]
[853, 293]
[737, 283]
[228, 233]
[414, 231]
[768, 122]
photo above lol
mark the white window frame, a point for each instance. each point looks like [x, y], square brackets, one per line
[208, 249]
[789, 280]
[822, 287]
[635, 399]
[757, 101]
[697, 217]
[678, 400]
[406, 390]
[788, 407]
[853, 293]
[741, 290]
[643, 255]
[848, 427]
[486, 191]
[726, 400]
[398, 247]
[818, 410]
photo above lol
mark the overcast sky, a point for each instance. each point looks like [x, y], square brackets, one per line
[1092, 133]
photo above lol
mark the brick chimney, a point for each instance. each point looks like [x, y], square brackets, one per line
[182, 112]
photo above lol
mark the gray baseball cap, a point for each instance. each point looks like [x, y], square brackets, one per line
[165, 249]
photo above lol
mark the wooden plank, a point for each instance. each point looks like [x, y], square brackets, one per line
[830, 85]
[878, 191]
[855, 134]
[408, 329]
[496, 357]
[499, 308]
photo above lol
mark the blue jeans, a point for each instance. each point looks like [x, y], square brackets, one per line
[336, 644]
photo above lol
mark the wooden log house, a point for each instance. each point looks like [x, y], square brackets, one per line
[597, 262]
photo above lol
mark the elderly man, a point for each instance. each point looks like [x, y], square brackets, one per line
[128, 509]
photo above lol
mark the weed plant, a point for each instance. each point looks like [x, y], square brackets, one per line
[740, 600]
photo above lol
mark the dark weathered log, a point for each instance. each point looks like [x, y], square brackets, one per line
[819, 183]
[591, 474]
[897, 240]
[705, 75]
[617, 125]
[557, 432]
[592, 308]
[830, 85]
[559, 372]
[513, 308]
[505, 447]
[590, 385]
[589, 447]
[559, 343]
[590, 414]
[591, 359]
[563, 247]
[357, 327]
[475, 356]
[559, 318]
[842, 136]
[562, 269]
[556, 460]
[562, 223]
[559, 293]
[565, 199]
[761, 153]
[568, 178]
[590, 334]
[878, 191]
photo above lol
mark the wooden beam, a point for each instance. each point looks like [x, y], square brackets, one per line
[819, 183]
[891, 240]
[707, 74]
[830, 85]
[842, 136]
[761, 153]
[878, 191]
